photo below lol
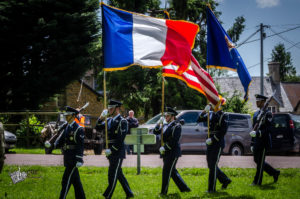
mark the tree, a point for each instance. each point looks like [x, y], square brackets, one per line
[141, 88]
[286, 68]
[44, 46]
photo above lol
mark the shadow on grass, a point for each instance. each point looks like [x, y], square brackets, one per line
[223, 195]
[169, 196]
[269, 186]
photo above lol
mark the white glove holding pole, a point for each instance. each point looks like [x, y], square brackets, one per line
[207, 108]
[107, 152]
[208, 141]
[252, 134]
[104, 113]
[162, 150]
[47, 144]
[252, 149]
[79, 164]
[161, 120]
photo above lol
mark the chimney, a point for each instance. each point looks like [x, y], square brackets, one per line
[274, 71]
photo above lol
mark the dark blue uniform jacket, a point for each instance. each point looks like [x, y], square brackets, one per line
[117, 128]
[171, 138]
[72, 142]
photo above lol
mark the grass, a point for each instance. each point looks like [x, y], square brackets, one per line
[44, 182]
[32, 151]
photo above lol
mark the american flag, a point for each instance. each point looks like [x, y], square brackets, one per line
[197, 78]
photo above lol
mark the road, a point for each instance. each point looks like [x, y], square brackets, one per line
[186, 161]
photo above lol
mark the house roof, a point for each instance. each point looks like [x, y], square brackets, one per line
[230, 84]
[292, 90]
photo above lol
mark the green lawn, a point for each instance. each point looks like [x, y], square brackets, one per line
[44, 182]
[32, 151]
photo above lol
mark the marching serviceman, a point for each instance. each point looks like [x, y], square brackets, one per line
[171, 150]
[72, 141]
[215, 144]
[117, 128]
[261, 141]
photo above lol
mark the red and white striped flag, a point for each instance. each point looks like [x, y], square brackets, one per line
[197, 78]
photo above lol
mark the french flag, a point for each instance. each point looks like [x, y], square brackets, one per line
[136, 39]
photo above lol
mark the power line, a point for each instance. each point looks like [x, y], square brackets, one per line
[248, 38]
[284, 38]
[273, 34]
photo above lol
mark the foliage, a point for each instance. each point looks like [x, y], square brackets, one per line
[45, 182]
[140, 89]
[236, 104]
[286, 69]
[34, 126]
[44, 46]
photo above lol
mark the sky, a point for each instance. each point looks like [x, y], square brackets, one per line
[280, 15]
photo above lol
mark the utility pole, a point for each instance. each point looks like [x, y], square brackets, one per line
[262, 36]
[261, 59]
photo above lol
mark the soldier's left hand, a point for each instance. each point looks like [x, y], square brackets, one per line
[162, 150]
[208, 141]
[253, 134]
[79, 164]
[107, 152]
[47, 144]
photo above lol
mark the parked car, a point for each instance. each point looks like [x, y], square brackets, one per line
[10, 140]
[285, 132]
[93, 139]
[194, 134]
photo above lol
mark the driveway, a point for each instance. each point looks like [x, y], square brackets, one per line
[186, 161]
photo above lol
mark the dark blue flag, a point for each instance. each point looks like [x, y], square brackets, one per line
[221, 52]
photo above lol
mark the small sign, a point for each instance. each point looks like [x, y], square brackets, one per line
[135, 131]
[144, 139]
[18, 176]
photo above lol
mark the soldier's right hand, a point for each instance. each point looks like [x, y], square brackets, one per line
[252, 149]
[207, 108]
[47, 144]
[253, 134]
[79, 164]
[107, 152]
[161, 120]
[104, 113]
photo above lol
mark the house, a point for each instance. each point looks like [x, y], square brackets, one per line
[282, 100]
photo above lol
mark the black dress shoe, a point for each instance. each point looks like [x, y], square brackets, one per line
[208, 191]
[225, 184]
[276, 176]
[253, 184]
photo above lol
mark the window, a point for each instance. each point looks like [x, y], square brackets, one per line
[272, 109]
[238, 122]
[190, 118]
[279, 121]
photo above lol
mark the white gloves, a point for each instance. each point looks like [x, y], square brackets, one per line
[208, 141]
[161, 120]
[47, 144]
[162, 150]
[252, 134]
[79, 164]
[104, 113]
[252, 149]
[107, 152]
[207, 108]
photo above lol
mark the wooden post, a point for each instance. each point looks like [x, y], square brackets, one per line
[162, 109]
[27, 129]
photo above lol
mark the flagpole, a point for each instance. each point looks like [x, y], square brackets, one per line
[162, 109]
[104, 82]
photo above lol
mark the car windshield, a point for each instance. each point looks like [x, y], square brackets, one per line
[154, 119]
[296, 120]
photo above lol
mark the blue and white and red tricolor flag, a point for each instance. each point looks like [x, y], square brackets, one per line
[136, 39]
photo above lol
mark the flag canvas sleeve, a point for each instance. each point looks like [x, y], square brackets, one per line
[221, 52]
[135, 39]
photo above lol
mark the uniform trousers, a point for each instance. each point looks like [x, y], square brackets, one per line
[261, 165]
[169, 170]
[115, 173]
[71, 176]
[213, 154]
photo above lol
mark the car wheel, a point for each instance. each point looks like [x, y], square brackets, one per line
[236, 150]
[98, 149]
